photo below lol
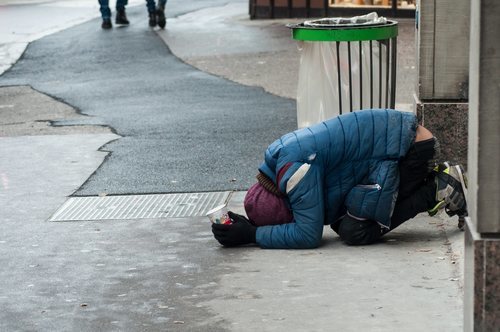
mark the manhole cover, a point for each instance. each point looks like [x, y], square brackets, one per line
[139, 206]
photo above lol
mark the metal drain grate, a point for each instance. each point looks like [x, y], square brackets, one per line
[139, 206]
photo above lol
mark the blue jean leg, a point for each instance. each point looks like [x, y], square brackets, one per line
[120, 4]
[151, 4]
[104, 8]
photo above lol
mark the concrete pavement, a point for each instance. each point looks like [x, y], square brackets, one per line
[223, 41]
[128, 80]
[379, 288]
[19, 26]
[169, 274]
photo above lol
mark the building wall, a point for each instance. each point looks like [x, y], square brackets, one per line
[482, 238]
[441, 94]
[261, 9]
[443, 40]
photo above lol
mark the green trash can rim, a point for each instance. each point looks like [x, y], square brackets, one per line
[345, 32]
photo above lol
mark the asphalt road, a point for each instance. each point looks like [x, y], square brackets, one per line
[182, 130]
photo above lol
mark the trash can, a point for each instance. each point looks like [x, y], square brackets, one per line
[346, 64]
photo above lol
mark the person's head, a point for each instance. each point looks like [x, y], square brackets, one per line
[264, 207]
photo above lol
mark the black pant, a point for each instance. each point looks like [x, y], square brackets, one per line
[416, 194]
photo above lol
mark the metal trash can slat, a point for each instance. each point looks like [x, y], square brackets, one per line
[362, 51]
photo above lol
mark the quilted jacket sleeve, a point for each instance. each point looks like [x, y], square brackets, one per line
[375, 199]
[304, 186]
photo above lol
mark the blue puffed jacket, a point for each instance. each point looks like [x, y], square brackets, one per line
[347, 164]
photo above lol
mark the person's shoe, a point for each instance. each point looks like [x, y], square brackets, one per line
[160, 16]
[152, 19]
[106, 24]
[432, 212]
[121, 17]
[451, 190]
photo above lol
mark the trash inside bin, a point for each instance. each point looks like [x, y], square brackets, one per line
[346, 64]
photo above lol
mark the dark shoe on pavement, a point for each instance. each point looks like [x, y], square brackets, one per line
[106, 24]
[121, 17]
[160, 13]
[152, 19]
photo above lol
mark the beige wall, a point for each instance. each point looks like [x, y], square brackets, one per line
[443, 49]
[484, 117]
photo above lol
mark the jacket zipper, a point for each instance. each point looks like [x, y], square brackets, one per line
[370, 186]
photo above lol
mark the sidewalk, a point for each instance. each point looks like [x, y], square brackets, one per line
[23, 21]
[223, 41]
[142, 275]
[412, 282]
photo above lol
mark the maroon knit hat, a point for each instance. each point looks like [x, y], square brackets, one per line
[265, 208]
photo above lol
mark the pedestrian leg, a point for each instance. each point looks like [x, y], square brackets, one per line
[105, 14]
[151, 6]
[160, 13]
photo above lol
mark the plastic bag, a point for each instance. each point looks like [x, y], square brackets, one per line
[368, 19]
[339, 77]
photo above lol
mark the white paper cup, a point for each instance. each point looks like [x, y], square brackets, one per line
[219, 215]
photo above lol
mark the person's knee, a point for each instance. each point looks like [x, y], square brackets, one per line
[351, 237]
[357, 232]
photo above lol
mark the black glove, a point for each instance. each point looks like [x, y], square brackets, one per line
[239, 232]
